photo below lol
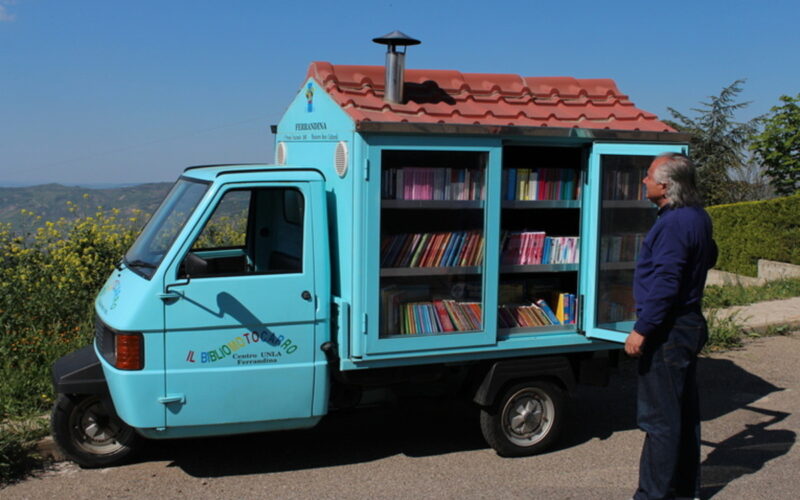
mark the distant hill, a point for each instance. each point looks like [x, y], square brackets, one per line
[50, 201]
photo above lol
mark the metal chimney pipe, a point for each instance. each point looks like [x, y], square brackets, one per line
[395, 64]
[395, 71]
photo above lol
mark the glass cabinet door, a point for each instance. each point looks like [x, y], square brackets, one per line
[620, 220]
[432, 265]
[432, 243]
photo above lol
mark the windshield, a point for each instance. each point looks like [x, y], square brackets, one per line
[159, 234]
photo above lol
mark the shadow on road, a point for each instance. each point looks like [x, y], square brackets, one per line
[434, 428]
[725, 388]
[745, 452]
[350, 437]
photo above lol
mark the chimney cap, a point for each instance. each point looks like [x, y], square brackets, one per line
[396, 38]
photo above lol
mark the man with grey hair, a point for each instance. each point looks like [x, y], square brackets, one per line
[670, 330]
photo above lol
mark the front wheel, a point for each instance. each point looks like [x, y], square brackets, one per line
[88, 434]
[526, 420]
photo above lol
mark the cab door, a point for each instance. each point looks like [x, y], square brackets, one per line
[616, 220]
[240, 310]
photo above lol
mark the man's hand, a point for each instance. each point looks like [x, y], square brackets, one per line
[634, 343]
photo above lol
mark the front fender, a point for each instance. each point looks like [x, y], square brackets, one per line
[79, 372]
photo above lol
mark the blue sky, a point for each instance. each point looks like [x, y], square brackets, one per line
[100, 91]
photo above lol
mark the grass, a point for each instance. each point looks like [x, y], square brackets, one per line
[727, 332]
[739, 295]
[724, 332]
[17, 448]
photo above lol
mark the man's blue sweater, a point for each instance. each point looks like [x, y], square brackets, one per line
[673, 263]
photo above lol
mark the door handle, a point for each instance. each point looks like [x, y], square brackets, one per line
[172, 398]
[168, 296]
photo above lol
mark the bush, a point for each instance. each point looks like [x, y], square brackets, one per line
[48, 280]
[748, 231]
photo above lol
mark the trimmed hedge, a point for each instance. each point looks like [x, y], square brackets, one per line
[752, 230]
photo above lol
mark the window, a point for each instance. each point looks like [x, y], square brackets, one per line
[432, 242]
[149, 249]
[251, 231]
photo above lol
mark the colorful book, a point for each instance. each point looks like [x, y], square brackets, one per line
[561, 307]
[547, 311]
[444, 318]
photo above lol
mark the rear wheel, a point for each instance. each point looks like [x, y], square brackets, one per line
[88, 434]
[526, 420]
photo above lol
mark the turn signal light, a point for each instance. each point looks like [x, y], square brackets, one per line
[129, 351]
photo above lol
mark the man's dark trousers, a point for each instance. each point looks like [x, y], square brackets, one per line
[668, 408]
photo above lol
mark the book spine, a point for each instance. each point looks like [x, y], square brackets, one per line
[451, 244]
[474, 311]
[443, 244]
[419, 250]
[454, 318]
[429, 249]
[444, 318]
[547, 311]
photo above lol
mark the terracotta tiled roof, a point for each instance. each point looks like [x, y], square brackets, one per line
[450, 97]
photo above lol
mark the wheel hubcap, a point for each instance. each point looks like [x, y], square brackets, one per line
[95, 427]
[528, 416]
[94, 431]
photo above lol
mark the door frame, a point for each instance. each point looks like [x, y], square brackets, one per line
[590, 248]
[375, 345]
[315, 243]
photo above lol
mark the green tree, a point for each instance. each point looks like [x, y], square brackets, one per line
[778, 146]
[718, 143]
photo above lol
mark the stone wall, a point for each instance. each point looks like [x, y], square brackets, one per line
[768, 270]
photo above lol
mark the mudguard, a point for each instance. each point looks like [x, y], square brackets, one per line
[503, 372]
[79, 372]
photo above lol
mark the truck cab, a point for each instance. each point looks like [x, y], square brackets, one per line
[212, 322]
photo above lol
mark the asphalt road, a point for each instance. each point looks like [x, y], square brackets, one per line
[751, 411]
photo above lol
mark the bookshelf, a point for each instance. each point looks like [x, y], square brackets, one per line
[432, 242]
[527, 205]
[539, 244]
[625, 217]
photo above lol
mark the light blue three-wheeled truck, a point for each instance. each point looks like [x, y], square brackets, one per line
[417, 226]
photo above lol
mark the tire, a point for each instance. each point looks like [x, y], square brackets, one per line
[526, 420]
[89, 435]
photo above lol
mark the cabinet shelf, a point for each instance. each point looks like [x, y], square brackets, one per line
[617, 266]
[639, 204]
[504, 332]
[539, 268]
[432, 204]
[394, 272]
[429, 335]
[534, 204]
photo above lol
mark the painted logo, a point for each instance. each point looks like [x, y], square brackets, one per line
[115, 289]
[281, 346]
[310, 97]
